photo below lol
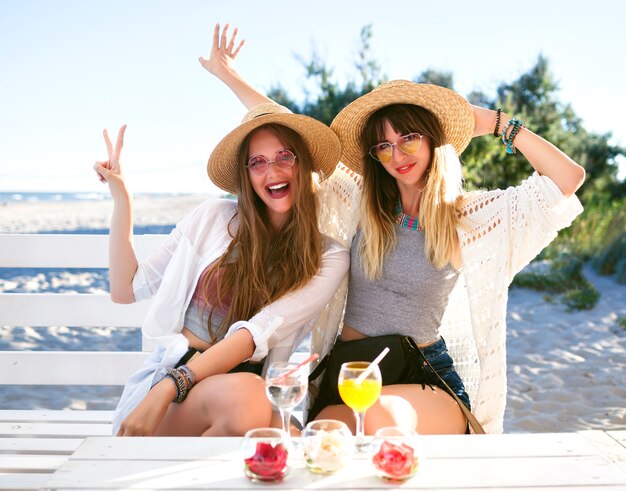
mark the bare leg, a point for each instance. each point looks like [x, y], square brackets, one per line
[428, 411]
[222, 405]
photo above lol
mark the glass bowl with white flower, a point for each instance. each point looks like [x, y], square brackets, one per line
[327, 445]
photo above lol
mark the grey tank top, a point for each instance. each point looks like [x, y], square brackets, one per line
[196, 321]
[197, 314]
[409, 298]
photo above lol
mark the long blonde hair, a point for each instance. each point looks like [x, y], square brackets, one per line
[261, 264]
[443, 184]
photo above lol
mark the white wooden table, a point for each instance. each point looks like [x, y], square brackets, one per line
[585, 460]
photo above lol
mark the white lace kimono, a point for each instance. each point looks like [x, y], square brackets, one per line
[500, 232]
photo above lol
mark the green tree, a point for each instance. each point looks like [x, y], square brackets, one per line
[598, 234]
[330, 96]
[435, 77]
[532, 97]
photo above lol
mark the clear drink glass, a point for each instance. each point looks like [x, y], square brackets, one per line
[286, 386]
[359, 396]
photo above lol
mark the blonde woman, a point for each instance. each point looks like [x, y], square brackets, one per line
[421, 237]
[235, 284]
[430, 263]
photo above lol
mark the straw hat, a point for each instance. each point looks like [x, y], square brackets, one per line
[453, 112]
[322, 143]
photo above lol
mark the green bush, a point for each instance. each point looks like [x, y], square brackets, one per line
[612, 259]
[584, 297]
[620, 271]
[564, 276]
[601, 226]
[598, 235]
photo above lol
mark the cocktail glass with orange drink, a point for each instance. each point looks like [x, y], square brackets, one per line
[359, 394]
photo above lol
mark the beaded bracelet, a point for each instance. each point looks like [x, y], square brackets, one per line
[496, 130]
[180, 381]
[508, 142]
[189, 375]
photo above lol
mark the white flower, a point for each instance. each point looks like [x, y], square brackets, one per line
[327, 450]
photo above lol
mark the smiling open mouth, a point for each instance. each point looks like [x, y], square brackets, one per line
[278, 190]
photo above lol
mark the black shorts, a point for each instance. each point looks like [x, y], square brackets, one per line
[403, 365]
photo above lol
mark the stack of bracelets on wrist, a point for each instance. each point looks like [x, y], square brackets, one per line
[496, 130]
[183, 379]
[508, 141]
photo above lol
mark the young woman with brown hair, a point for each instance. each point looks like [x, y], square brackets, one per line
[235, 284]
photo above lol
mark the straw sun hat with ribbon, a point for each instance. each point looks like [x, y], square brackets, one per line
[453, 112]
[322, 143]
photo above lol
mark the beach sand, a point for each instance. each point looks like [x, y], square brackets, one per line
[565, 369]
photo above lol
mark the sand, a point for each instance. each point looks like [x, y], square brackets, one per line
[565, 369]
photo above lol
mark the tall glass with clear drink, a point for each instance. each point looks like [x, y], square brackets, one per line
[286, 386]
[359, 395]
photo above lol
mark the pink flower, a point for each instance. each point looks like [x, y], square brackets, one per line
[268, 460]
[396, 461]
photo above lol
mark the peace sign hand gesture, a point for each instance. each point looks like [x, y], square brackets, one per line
[223, 51]
[110, 170]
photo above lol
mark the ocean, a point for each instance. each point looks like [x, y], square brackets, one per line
[32, 196]
[47, 196]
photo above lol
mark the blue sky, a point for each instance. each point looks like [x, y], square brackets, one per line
[69, 68]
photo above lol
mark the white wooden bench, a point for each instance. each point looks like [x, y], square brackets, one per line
[34, 443]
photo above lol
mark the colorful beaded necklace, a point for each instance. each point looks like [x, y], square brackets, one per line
[407, 221]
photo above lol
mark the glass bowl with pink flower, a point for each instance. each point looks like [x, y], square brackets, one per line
[395, 453]
[265, 452]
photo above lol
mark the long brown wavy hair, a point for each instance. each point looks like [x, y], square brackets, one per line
[443, 184]
[262, 264]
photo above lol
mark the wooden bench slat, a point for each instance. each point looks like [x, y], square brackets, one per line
[22, 481]
[619, 436]
[69, 309]
[68, 367]
[115, 448]
[50, 446]
[607, 444]
[513, 446]
[63, 416]
[56, 430]
[31, 463]
[66, 250]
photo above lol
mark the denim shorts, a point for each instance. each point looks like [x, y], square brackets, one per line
[416, 372]
[438, 356]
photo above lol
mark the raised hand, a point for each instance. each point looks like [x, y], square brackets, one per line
[220, 64]
[223, 51]
[110, 170]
